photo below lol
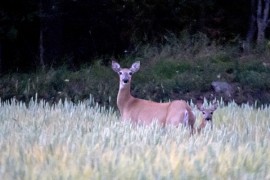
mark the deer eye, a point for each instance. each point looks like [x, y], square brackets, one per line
[120, 73]
[130, 73]
[203, 112]
[211, 113]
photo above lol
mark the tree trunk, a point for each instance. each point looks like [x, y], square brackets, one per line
[258, 22]
[0, 58]
[262, 20]
[41, 36]
[252, 25]
[50, 37]
[41, 49]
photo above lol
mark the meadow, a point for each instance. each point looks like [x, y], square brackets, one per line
[88, 141]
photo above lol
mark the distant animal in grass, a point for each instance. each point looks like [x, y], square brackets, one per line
[207, 115]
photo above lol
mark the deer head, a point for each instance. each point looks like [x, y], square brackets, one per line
[125, 74]
[207, 112]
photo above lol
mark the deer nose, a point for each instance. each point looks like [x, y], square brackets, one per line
[125, 80]
[208, 119]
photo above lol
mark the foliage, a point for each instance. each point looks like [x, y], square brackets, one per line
[176, 70]
[87, 141]
[255, 79]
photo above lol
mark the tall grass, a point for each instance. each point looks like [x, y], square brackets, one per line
[86, 141]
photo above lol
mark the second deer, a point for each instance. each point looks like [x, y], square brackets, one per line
[207, 115]
[143, 111]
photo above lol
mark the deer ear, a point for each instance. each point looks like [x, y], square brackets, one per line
[115, 66]
[200, 106]
[135, 66]
[215, 105]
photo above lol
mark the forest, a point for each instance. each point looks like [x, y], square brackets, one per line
[202, 41]
[48, 33]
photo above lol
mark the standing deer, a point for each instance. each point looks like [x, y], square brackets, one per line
[207, 115]
[143, 111]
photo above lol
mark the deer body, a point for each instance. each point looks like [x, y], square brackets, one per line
[142, 111]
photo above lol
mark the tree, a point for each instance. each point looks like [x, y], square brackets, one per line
[41, 36]
[262, 19]
[258, 21]
[50, 32]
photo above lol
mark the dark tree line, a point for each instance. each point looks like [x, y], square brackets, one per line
[44, 33]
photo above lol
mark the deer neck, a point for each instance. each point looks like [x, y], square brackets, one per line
[202, 125]
[123, 97]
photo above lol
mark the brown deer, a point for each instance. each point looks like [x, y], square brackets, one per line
[143, 111]
[207, 115]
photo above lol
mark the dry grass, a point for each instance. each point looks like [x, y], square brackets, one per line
[86, 141]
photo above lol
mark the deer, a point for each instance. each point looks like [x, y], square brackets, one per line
[144, 111]
[207, 115]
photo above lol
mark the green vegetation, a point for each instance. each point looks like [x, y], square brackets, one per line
[87, 141]
[183, 68]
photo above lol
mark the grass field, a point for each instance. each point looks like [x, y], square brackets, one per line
[86, 141]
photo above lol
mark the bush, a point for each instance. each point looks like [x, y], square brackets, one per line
[256, 80]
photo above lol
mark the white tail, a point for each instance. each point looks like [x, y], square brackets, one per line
[207, 115]
[140, 110]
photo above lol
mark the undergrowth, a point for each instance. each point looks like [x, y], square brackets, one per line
[182, 68]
